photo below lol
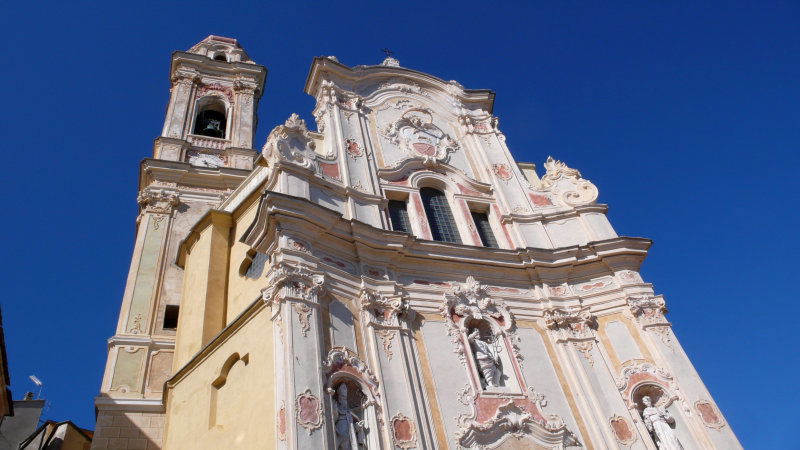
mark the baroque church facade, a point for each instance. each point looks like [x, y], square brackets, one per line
[394, 279]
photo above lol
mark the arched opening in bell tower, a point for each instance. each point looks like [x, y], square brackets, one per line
[211, 119]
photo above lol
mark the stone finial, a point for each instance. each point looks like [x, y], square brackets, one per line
[391, 61]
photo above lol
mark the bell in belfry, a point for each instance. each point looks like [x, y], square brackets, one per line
[210, 123]
[212, 128]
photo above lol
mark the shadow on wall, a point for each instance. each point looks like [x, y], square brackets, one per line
[117, 429]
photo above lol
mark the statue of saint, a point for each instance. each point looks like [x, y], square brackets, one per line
[486, 358]
[350, 429]
[657, 421]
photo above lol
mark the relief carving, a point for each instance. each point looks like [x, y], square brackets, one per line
[709, 414]
[416, 134]
[404, 432]
[309, 411]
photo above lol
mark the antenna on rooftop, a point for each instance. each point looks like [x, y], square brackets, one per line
[38, 383]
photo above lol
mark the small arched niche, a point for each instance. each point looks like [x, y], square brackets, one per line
[662, 398]
[211, 119]
[494, 343]
[354, 414]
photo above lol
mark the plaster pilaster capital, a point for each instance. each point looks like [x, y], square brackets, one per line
[296, 282]
[185, 77]
[158, 201]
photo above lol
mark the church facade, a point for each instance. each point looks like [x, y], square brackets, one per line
[394, 279]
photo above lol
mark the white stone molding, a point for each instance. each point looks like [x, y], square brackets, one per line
[403, 85]
[303, 316]
[338, 358]
[386, 339]
[635, 376]
[308, 410]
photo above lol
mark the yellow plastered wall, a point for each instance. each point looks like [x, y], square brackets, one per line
[242, 291]
[205, 279]
[243, 414]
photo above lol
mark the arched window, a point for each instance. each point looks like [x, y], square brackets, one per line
[440, 218]
[210, 120]
[220, 57]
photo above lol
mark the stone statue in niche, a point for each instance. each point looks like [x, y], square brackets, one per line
[486, 358]
[658, 420]
[350, 428]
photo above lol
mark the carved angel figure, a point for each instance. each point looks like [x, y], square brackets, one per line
[657, 421]
[486, 359]
[350, 429]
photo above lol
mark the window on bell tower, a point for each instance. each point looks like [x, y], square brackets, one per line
[211, 120]
[440, 218]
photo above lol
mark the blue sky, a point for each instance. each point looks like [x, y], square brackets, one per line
[684, 114]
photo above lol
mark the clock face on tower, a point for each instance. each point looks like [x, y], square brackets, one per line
[206, 160]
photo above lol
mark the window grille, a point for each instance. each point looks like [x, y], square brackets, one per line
[440, 218]
[398, 214]
[484, 229]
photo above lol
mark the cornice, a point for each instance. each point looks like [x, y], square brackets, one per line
[187, 175]
[324, 67]
[292, 212]
[210, 67]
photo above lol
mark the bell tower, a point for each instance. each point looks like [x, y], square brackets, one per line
[204, 152]
[211, 116]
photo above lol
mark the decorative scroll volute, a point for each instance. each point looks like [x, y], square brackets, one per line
[574, 190]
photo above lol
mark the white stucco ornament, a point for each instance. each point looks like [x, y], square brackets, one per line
[568, 182]
[416, 134]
